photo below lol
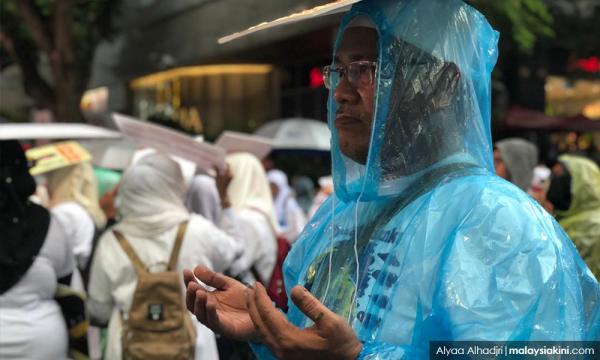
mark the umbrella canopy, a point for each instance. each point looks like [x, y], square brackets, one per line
[29, 131]
[233, 141]
[297, 134]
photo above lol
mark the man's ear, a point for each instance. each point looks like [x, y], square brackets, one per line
[445, 87]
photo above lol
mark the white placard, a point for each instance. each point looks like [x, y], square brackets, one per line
[233, 141]
[171, 142]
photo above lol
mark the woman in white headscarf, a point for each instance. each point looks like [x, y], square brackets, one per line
[151, 208]
[74, 203]
[251, 198]
[203, 198]
[290, 216]
[34, 255]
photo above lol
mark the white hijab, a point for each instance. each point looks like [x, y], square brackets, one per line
[249, 187]
[151, 197]
[203, 198]
[279, 178]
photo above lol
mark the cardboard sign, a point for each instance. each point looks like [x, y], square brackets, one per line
[171, 142]
[233, 141]
[55, 156]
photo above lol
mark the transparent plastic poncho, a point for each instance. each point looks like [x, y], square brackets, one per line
[424, 242]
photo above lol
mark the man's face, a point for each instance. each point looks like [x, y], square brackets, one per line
[354, 115]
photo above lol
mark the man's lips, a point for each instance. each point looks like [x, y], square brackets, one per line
[344, 120]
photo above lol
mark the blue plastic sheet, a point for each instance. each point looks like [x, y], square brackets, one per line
[424, 242]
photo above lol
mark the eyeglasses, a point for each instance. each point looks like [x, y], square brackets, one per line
[360, 74]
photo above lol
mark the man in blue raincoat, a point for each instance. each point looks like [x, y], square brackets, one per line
[421, 241]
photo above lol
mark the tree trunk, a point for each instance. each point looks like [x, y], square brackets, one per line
[53, 36]
[67, 90]
[67, 102]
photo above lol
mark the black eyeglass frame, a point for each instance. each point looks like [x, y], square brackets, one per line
[354, 70]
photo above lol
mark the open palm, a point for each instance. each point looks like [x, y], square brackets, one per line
[223, 310]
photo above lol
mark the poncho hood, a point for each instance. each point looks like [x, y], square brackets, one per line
[432, 102]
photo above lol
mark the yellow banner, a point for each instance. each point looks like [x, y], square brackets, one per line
[56, 156]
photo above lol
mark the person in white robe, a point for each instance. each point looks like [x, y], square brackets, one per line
[203, 198]
[74, 202]
[32, 325]
[34, 254]
[151, 208]
[290, 215]
[250, 197]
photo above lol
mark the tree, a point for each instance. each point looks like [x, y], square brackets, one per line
[65, 33]
[524, 20]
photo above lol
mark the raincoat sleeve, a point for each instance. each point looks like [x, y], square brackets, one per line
[504, 277]
[508, 277]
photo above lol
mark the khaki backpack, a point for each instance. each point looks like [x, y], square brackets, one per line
[158, 325]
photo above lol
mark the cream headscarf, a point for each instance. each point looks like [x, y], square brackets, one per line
[249, 187]
[78, 184]
[151, 197]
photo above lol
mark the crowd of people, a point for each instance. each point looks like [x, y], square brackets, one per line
[232, 222]
[414, 237]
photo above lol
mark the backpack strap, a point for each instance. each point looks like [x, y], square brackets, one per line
[177, 246]
[139, 266]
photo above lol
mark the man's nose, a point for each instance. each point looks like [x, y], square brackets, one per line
[345, 93]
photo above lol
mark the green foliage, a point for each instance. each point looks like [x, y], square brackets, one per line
[67, 33]
[11, 24]
[91, 23]
[524, 20]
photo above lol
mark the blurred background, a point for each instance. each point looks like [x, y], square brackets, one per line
[78, 61]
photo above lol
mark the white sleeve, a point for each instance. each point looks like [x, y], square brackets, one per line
[100, 301]
[296, 221]
[266, 245]
[230, 225]
[57, 248]
[249, 242]
[79, 228]
[214, 247]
